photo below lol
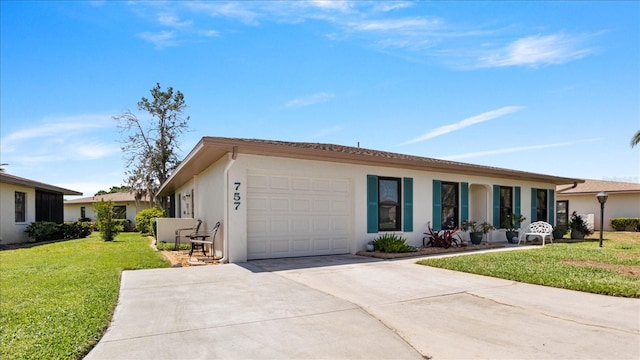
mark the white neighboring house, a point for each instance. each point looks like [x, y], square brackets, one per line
[285, 199]
[23, 201]
[125, 206]
[623, 201]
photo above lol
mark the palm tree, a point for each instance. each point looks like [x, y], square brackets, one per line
[635, 140]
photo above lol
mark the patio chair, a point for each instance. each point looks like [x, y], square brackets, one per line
[538, 228]
[191, 230]
[200, 240]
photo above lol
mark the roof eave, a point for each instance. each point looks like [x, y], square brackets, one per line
[211, 149]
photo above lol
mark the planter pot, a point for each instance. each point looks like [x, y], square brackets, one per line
[512, 237]
[577, 235]
[476, 237]
[369, 247]
[558, 234]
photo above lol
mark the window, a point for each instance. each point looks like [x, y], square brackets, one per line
[506, 202]
[21, 207]
[387, 200]
[541, 207]
[83, 212]
[389, 204]
[562, 213]
[450, 197]
[120, 212]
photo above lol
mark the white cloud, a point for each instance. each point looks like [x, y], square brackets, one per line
[160, 39]
[313, 99]
[339, 5]
[210, 33]
[537, 50]
[57, 127]
[172, 21]
[393, 24]
[486, 116]
[516, 149]
[386, 7]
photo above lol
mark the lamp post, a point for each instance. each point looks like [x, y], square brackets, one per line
[602, 198]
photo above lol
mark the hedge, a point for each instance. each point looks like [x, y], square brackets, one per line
[622, 224]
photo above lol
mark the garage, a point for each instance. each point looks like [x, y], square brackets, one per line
[289, 215]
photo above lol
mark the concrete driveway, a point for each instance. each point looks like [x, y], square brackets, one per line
[349, 307]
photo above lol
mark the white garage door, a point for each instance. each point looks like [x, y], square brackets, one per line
[297, 216]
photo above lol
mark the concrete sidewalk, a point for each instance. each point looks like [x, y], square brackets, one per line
[345, 307]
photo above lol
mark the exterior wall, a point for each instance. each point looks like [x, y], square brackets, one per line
[166, 228]
[72, 211]
[207, 202]
[10, 231]
[185, 201]
[211, 200]
[617, 205]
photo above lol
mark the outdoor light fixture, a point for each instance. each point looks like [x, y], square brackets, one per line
[602, 198]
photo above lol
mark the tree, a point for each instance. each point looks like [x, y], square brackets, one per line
[635, 140]
[113, 189]
[150, 147]
[106, 220]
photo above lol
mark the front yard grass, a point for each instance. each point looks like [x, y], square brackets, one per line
[56, 300]
[613, 269]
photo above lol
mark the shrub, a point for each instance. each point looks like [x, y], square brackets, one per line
[576, 223]
[43, 230]
[106, 221]
[75, 230]
[392, 243]
[622, 224]
[48, 230]
[145, 218]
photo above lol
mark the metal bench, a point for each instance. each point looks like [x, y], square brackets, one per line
[538, 228]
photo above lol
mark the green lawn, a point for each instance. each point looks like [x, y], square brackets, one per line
[56, 300]
[613, 269]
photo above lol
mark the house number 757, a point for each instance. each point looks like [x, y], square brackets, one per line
[236, 195]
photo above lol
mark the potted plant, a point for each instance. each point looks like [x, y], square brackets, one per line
[559, 231]
[370, 246]
[478, 231]
[511, 223]
[578, 226]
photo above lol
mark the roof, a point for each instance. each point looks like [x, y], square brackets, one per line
[16, 180]
[119, 197]
[210, 149]
[590, 187]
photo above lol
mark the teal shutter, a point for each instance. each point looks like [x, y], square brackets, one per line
[372, 204]
[534, 204]
[518, 211]
[551, 207]
[464, 202]
[437, 205]
[496, 207]
[408, 204]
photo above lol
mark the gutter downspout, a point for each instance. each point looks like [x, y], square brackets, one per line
[225, 243]
[575, 185]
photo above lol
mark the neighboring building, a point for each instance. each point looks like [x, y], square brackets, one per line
[282, 199]
[24, 201]
[125, 206]
[623, 201]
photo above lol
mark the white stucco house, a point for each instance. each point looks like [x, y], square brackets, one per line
[23, 201]
[125, 206]
[286, 199]
[623, 200]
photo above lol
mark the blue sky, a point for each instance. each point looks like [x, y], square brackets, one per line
[546, 87]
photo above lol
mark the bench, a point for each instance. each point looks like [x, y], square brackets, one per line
[538, 228]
